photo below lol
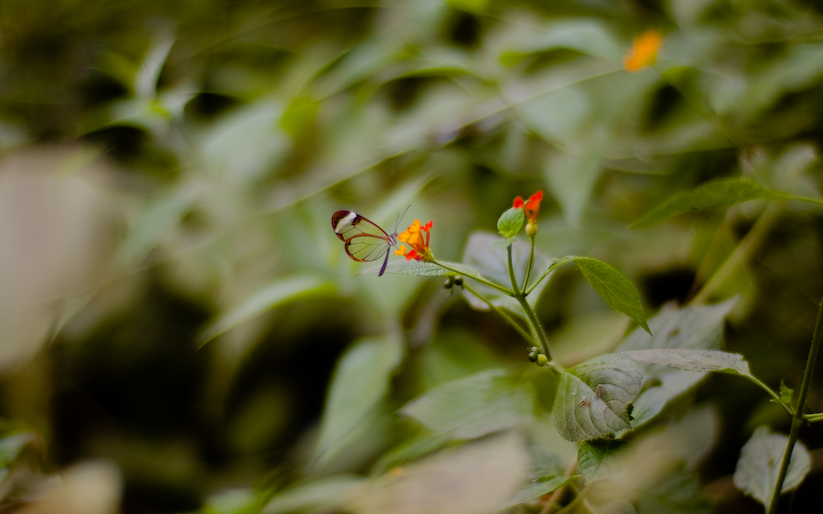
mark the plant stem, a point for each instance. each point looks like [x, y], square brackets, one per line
[478, 278]
[502, 313]
[798, 419]
[531, 262]
[513, 278]
[536, 328]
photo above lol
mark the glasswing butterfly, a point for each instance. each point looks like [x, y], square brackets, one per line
[365, 241]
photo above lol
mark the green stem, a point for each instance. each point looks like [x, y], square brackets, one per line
[531, 262]
[774, 395]
[515, 287]
[556, 263]
[478, 278]
[798, 420]
[814, 418]
[528, 337]
[535, 325]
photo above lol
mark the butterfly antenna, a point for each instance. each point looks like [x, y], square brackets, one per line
[400, 218]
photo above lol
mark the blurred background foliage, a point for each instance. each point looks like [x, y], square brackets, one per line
[173, 300]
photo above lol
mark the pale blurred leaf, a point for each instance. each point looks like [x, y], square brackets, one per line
[759, 465]
[534, 489]
[597, 458]
[312, 494]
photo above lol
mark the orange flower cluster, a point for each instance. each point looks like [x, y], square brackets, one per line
[417, 237]
[530, 208]
[644, 51]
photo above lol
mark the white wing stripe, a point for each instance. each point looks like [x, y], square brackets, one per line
[345, 222]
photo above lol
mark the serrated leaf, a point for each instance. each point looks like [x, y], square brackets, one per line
[712, 195]
[614, 287]
[598, 459]
[593, 397]
[266, 298]
[535, 489]
[786, 394]
[474, 406]
[312, 495]
[359, 383]
[759, 465]
[695, 360]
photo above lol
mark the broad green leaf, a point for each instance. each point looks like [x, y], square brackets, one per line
[679, 493]
[491, 261]
[511, 222]
[597, 459]
[312, 494]
[535, 489]
[695, 360]
[760, 461]
[614, 287]
[593, 397]
[572, 178]
[266, 298]
[712, 195]
[474, 406]
[698, 327]
[359, 383]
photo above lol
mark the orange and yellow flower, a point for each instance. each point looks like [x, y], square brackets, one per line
[417, 236]
[643, 52]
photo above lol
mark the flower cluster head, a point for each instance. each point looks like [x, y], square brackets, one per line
[418, 238]
[644, 51]
[530, 208]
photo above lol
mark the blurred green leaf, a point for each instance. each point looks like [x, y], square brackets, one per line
[491, 261]
[360, 382]
[12, 445]
[614, 287]
[474, 406]
[535, 489]
[675, 493]
[695, 360]
[593, 397]
[597, 458]
[759, 465]
[312, 494]
[268, 297]
[712, 195]
[572, 178]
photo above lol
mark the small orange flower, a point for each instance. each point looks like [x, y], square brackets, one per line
[418, 238]
[530, 208]
[644, 51]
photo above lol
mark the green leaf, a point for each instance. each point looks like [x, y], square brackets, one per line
[535, 489]
[313, 494]
[759, 465]
[359, 383]
[597, 459]
[266, 298]
[12, 445]
[712, 195]
[678, 493]
[695, 360]
[698, 327]
[593, 397]
[614, 287]
[472, 6]
[511, 222]
[786, 394]
[474, 406]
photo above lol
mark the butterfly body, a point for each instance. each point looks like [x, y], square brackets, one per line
[365, 241]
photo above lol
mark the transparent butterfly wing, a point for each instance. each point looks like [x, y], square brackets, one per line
[364, 240]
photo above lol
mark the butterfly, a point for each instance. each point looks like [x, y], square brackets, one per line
[365, 241]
